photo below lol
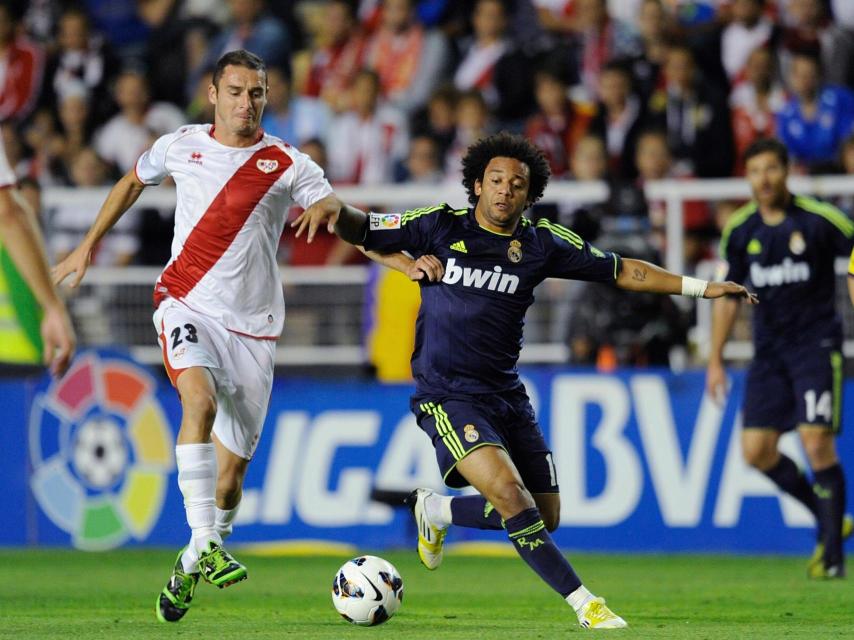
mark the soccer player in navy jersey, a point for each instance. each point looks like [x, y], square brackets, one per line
[785, 246]
[469, 399]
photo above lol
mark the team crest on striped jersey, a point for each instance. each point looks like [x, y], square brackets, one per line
[267, 166]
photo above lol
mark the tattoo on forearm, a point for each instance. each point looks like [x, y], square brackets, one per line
[639, 274]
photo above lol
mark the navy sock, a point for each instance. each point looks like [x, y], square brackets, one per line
[475, 512]
[829, 487]
[533, 542]
[786, 475]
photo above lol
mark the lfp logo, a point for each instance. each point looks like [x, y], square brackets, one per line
[101, 451]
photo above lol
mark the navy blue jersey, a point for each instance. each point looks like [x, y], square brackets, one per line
[469, 328]
[790, 265]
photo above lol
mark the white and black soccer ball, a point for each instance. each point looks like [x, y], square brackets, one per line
[99, 453]
[367, 590]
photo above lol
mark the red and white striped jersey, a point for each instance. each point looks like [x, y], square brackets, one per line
[232, 205]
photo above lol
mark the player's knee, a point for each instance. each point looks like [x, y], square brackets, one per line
[759, 454]
[551, 519]
[199, 405]
[820, 449]
[510, 497]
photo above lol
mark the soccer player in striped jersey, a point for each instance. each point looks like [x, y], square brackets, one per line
[469, 399]
[785, 246]
[219, 304]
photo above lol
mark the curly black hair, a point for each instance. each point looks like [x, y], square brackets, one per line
[505, 145]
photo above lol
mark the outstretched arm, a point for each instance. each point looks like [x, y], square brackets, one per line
[22, 240]
[724, 311]
[120, 199]
[429, 267]
[347, 222]
[638, 275]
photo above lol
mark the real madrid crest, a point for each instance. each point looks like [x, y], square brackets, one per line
[514, 251]
[471, 434]
[797, 244]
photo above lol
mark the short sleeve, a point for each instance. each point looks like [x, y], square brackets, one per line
[411, 231]
[151, 166]
[572, 258]
[7, 176]
[309, 184]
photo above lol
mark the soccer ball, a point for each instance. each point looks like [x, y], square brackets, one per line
[367, 590]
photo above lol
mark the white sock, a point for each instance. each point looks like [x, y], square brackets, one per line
[197, 481]
[438, 509]
[224, 520]
[190, 558]
[578, 598]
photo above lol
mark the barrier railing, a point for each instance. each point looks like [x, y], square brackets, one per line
[324, 303]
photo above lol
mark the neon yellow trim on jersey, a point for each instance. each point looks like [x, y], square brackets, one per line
[534, 528]
[495, 233]
[851, 264]
[562, 232]
[446, 431]
[616, 262]
[836, 366]
[412, 214]
[738, 218]
[827, 211]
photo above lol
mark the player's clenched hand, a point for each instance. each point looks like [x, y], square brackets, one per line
[426, 266]
[721, 289]
[58, 338]
[716, 381]
[324, 211]
[76, 262]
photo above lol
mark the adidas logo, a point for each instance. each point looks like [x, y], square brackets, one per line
[460, 246]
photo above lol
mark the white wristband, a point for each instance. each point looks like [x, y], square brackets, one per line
[694, 287]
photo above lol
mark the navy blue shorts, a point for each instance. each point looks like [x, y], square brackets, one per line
[794, 386]
[459, 424]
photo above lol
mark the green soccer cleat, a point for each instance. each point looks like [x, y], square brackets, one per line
[220, 568]
[815, 565]
[174, 601]
[596, 615]
[430, 537]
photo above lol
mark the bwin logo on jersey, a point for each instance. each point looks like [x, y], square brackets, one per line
[787, 272]
[493, 280]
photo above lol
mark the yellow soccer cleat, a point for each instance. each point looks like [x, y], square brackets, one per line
[430, 537]
[815, 565]
[596, 615]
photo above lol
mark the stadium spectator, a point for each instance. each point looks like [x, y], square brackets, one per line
[22, 63]
[82, 59]
[653, 23]
[69, 222]
[600, 40]
[754, 103]
[75, 127]
[253, 29]
[473, 122]
[369, 138]
[175, 47]
[484, 50]
[438, 118]
[817, 118]
[119, 19]
[408, 58]
[749, 30]
[423, 163]
[618, 119]
[811, 30]
[336, 58]
[293, 118]
[695, 117]
[559, 122]
[200, 108]
[130, 132]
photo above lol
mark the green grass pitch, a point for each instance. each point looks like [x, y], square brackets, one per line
[75, 596]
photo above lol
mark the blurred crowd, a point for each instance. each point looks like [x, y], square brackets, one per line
[380, 91]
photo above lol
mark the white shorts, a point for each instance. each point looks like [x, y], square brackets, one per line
[242, 368]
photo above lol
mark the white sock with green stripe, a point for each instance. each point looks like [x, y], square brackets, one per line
[197, 480]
